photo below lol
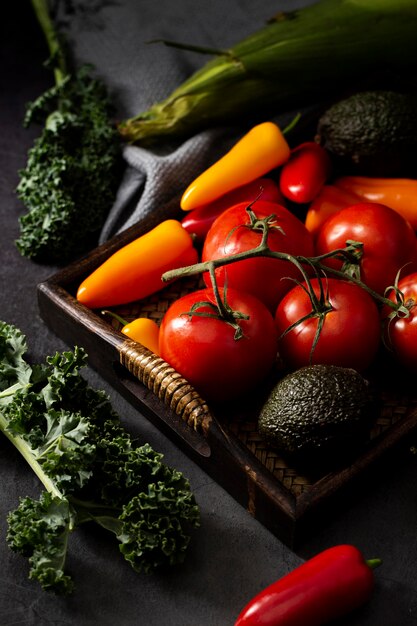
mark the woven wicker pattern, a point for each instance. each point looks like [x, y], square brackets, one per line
[155, 306]
[290, 477]
[393, 409]
[167, 384]
[175, 391]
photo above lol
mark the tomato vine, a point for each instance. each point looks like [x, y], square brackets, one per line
[350, 254]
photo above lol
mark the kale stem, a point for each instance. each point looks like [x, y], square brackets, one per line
[10, 391]
[52, 39]
[20, 445]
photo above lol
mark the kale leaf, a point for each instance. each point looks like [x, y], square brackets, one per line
[13, 368]
[91, 468]
[72, 172]
[39, 530]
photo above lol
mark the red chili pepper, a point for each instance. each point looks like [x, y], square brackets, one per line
[306, 171]
[198, 221]
[326, 587]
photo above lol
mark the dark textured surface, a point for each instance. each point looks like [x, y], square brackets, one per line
[373, 133]
[232, 556]
[316, 408]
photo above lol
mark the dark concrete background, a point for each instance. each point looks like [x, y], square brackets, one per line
[231, 556]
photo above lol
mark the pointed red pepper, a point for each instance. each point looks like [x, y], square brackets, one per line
[305, 172]
[324, 588]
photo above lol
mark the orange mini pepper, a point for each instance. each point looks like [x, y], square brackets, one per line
[135, 271]
[398, 193]
[328, 201]
[142, 329]
[145, 331]
[258, 152]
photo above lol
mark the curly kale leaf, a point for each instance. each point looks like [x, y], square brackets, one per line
[156, 524]
[92, 469]
[13, 368]
[157, 507]
[46, 416]
[39, 530]
[66, 454]
[72, 171]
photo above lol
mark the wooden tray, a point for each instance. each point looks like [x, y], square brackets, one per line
[223, 441]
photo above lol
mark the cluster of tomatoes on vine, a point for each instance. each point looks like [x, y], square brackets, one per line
[272, 289]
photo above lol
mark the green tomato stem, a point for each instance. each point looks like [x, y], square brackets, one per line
[263, 250]
[219, 300]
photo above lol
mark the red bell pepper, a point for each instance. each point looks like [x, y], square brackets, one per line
[325, 588]
[198, 221]
[305, 173]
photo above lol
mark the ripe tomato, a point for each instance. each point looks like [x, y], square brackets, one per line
[205, 352]
[198, 221]
[389, 242]
[350, 334]
[401, 332]
[263, 277]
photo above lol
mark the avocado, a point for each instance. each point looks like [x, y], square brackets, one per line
[316, 410]
[372, 133]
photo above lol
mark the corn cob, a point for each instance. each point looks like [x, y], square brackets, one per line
[295, 59]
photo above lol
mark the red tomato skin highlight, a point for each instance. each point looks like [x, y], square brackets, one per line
[265, 278]
[204, 351]
[389, 241]
[350, 336]
[401, 332]
[198, 221]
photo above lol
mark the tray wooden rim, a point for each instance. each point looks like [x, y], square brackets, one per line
[258, 490]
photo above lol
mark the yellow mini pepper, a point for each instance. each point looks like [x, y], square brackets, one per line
[258, 152]
[142, 329]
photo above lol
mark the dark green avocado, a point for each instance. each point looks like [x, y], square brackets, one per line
[372, 133]
[317, 409]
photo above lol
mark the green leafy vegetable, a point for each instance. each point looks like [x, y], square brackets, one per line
[91, 468]
[300, 57]
[39, 529]
[73, 167]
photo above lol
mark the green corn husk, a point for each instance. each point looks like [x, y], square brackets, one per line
[294, 60]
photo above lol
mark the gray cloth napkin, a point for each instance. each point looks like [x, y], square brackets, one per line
[153, 183]
[114, 36]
